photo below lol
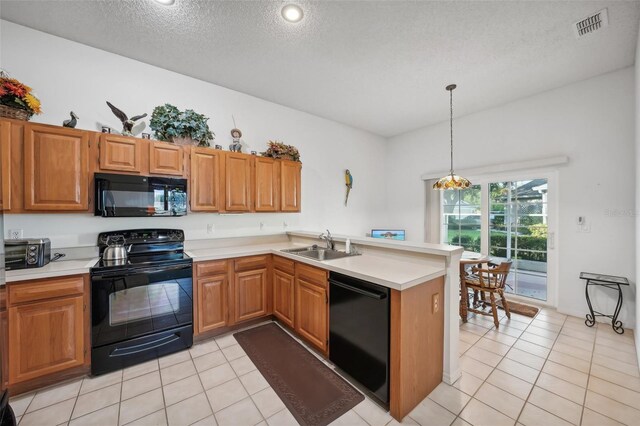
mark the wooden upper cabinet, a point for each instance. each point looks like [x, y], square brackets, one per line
[266, 184]
[206, 192]
[165, 159]
[290, 177]
[5, 163]
[121, 153]
[238, 182]
[56, 168]
[250, 295]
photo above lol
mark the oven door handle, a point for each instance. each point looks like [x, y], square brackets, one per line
[144, 347]
[141, 271]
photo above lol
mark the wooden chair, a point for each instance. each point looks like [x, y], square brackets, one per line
[489, 280]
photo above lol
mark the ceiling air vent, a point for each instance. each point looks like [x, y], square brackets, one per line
[591, 24]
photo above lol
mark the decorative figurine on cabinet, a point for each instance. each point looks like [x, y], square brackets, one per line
[71, 123]
[236, 146]
[127, 123]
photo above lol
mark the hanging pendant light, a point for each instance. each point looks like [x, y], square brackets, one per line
[451, 181]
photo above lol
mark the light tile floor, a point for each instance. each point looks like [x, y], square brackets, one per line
[551, 370]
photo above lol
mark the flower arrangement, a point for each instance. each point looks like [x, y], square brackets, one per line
[278, 149]
[169, 124]
[18, 96]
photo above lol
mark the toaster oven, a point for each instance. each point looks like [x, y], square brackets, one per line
[27, 253]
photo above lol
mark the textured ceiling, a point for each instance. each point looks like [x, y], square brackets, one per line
[380, 66]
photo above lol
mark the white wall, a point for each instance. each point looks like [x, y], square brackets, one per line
[71, 76]
[637, 183]
[591, 122]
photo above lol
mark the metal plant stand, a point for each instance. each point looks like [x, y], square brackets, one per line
[606, 281]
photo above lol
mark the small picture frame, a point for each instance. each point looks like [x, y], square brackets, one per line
[146, 136]
[106, 129]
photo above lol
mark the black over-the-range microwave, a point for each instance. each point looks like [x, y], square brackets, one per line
[132, 196]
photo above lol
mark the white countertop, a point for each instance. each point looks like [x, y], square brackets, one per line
[53, 269]
[392, 272]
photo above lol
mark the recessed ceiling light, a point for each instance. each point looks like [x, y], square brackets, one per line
[165, 2]
[292, 13]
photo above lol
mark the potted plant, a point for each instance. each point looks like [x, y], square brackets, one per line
[180, 127]
[16, 99]
[280, 150]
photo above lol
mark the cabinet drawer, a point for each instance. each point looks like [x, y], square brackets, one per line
[205, 269]
[284, 264]
[45, 289]
[249, 263]
[312, 275]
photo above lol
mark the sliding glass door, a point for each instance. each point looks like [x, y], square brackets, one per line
[518, 230]
[508, 220]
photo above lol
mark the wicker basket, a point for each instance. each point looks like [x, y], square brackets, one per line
[15, 113]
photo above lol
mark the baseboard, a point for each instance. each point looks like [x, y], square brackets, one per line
[451, 378]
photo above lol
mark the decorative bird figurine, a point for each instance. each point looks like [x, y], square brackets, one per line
[72, 121]
[127, 123]
[348, 179]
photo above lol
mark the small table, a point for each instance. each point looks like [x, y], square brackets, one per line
[606, 281]
[468, 258]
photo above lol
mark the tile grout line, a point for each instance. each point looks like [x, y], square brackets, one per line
[586, 389]
[202, 384]
[526, 401]
[483, 381]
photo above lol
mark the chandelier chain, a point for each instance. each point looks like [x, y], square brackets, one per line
[451, 126]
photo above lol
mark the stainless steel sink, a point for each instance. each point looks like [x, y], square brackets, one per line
[318, 253]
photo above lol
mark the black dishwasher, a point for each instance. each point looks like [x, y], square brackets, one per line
[359, 332]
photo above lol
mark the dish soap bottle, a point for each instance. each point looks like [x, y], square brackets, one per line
[348, 246]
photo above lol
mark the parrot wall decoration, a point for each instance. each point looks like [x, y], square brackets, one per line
[348, 181]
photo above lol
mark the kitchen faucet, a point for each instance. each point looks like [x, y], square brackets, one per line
[331, 245]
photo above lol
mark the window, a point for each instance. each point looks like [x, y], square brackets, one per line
[461, 218]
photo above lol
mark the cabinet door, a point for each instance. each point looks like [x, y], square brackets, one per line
[311, 313]
[283, 297]
[238, 182]
[250, 295]
[56, 168]
[165, 159]
[212, 303]
[290, 176]
[45, 337]
[206, 173]
[121, 153]
[266, 184]
[5, 163]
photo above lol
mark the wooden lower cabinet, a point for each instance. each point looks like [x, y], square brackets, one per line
[47, 335]
[250, 295]
[311, 305]
[233, 291]
[284, 297]
[212, 310]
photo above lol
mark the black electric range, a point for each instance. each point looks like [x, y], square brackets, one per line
[141, 307]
